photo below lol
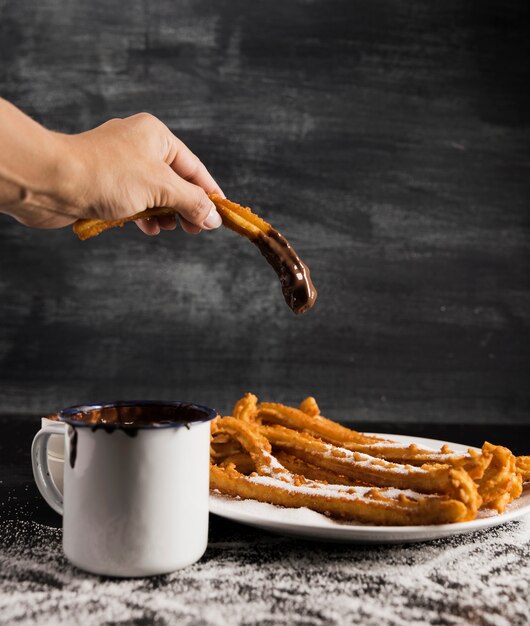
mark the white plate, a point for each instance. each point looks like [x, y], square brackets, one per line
[311, 525]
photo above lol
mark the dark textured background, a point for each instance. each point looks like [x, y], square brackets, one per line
[389, 140]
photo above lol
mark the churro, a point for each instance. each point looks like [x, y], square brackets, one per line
[501, 483]
[299, 466]
[297, 287]
[429, 478]
[335, 434]
[522, 464]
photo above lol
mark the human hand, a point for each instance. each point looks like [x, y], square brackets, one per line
[128, 165]
[111, 172]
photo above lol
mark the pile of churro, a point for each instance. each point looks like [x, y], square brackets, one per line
[295, 457]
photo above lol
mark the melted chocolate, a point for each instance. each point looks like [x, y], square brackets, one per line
[110, 428]
[53, 416]
[130, 418]
[298, 290]
[72, 435]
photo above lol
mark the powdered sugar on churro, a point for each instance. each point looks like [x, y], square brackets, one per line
[365, 460]
[384, 445]
[274, 467]
[339, 492]
[389, 446]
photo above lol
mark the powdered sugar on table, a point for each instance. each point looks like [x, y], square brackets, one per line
[253, 578]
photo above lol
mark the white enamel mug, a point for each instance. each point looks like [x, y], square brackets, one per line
[135, 485]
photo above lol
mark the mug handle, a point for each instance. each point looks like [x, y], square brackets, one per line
[41, 471]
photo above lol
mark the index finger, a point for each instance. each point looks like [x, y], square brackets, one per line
[188, 166]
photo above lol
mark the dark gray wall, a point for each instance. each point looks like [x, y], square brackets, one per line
[388, 140]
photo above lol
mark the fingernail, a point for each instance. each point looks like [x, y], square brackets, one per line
[213, 220]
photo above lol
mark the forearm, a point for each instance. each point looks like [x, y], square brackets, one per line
[32, 163]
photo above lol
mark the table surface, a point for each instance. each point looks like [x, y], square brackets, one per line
[253, 577]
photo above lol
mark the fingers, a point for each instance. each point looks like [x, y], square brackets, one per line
[195, 210]
[189, 167]
[154, 225]
[167, 222]
[149, 227]
[181, 182]
[190, 200]
[188, 227]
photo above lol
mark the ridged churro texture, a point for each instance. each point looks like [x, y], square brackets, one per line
[295, 457]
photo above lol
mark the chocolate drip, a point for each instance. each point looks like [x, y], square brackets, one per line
[130, 418]
[298, 290]
[72, 435]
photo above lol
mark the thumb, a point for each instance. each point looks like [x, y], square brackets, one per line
[190, 200]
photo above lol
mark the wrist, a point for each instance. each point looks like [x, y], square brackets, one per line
[65, 171]
[38, 171]
[46, 193]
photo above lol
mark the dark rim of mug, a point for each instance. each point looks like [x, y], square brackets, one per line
[66, 415]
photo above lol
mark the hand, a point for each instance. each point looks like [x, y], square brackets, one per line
[114, 171]
[129, 165]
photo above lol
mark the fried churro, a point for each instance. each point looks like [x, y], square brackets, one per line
[501, 483]
[295, 279]
[370, 470]
[333, 433]
[522, 464]
[316, 424]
